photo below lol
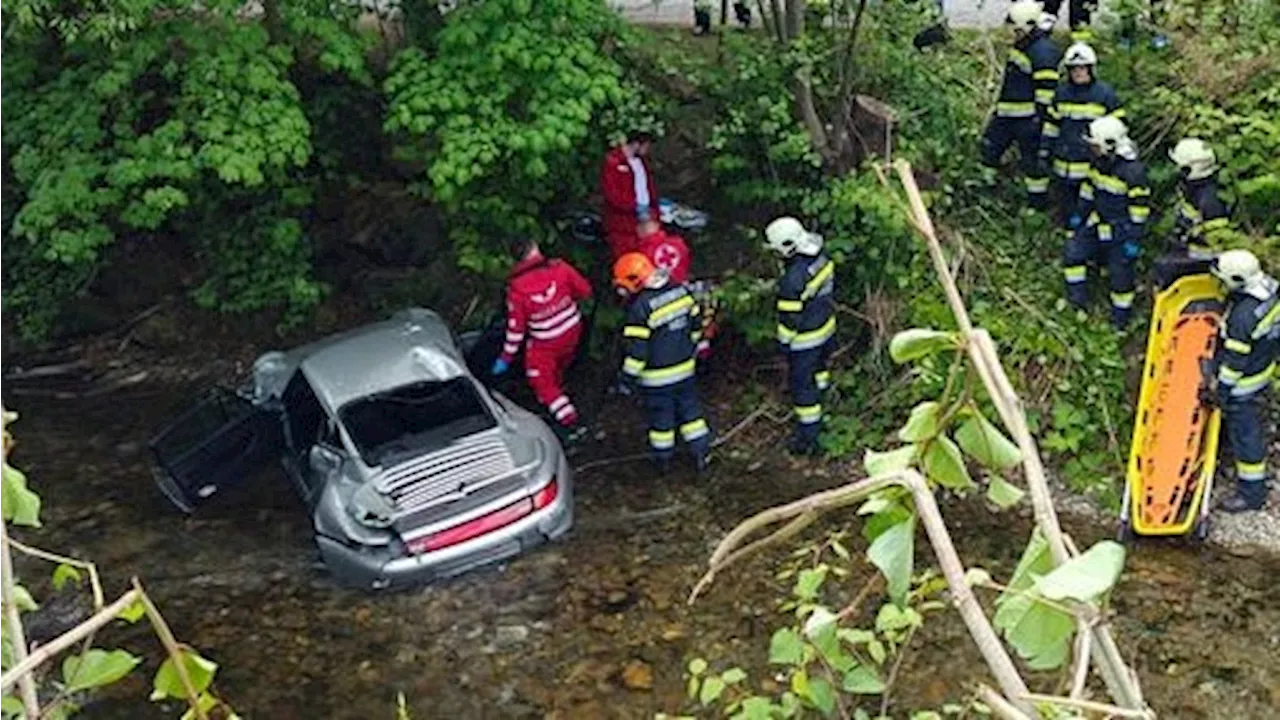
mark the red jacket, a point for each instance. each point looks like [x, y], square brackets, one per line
[617, 183]
[667, 251]
[542, 297]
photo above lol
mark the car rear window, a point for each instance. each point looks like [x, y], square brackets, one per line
[414, 419]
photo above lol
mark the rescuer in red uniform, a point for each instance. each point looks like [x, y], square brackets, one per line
[664, 250]
[630, 195]
[542, 302]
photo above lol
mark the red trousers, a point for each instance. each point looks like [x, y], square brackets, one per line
[544, 366]
[620, 233]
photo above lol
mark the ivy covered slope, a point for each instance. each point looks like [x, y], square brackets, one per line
[1071, 367]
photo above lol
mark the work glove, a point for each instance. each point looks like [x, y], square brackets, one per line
[1132, 249]
[1209, 396]
[1074, 220]
[500, 366]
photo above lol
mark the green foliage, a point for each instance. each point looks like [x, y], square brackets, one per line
[89, 668]
[504, 112]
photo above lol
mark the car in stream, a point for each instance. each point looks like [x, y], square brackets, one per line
[410, 467]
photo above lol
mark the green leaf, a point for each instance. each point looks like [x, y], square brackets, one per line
[1003, 494]
[697, 666]
[167, 684]
[875, 648]
[916, 343]
[22, 599]
[134, 612]
[206, 702]
[985, 443]
[11, 706]
[944, 465]
[1086, 577]
[64, 573]
[977, 577]
[21, 506]
[862, 680]
[809, 581]
[822, 695]
[711, 689]
[883, 463]
[893, 552]
[756, 708]
[922, 424]
[733, 676]
[892, 618]
[96, 668]
[1042, 635]
[786, 647]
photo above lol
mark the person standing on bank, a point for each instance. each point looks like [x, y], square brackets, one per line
[630, 194]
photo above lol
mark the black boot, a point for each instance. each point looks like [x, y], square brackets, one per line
[800, 447]
[701, 463]
[662, 465]
[1249, 496]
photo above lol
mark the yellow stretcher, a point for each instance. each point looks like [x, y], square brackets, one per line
[1175, 436]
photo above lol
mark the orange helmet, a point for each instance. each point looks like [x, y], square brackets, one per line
[631, 272]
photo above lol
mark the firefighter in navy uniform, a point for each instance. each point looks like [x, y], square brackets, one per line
[1246, 362]
[663, 326]
[1077, 102]
[1030, 77]
[1202, 215]
[1115, 201]
[806, 324]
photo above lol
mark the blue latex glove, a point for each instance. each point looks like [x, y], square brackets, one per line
[500, 366]
[1074, 221]
[642, 212]
[1132, 249]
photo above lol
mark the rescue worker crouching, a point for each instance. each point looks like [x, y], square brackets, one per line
[1030, 77]
[661, 334]
[1246, 362]
[1076, 103]
[542, 314]
[1115, 204]
[806, 324]
[1203, 224]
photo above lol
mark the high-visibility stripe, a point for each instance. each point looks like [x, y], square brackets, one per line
[1036, 185]
[822, 379]
[1118, 113]
[790, 305]
[565, 412]
[1104, 232]
[1020, 60]
[564, 327]
[1228, 375]
[662, 439]
[1050, 129]
[1110, 183]
[1138, 214]
[1122, 300]
[1082, 111]
[510, 348]
[661, 377]
[1045, 74]
[1139, 191]
[558, 403]
[808, 414]
[785, 334]
[1253, 383]
[1045, 96]
[636, 331]
[670, 310]
[1074, 274]
[1251, 471]
[819, 279]
[1215, 224]
[1009, 108]
[694, 429]
[1238, 346]
[814, 338]
[1267, 322]
[546, 323]
[633, 366]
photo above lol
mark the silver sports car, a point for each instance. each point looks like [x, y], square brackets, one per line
[410, 468]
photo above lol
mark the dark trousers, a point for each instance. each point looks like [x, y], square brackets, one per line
[1067, 196]
[667, 407]
[1246, 433]
[1078, 13]
[1001, 132]
[1084, 248]
[807, 377]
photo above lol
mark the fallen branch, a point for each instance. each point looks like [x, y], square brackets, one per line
[94, 584]
[1119, 678]
[173, 649]
[999, 704]
[610, 461]
[809, 508]
[13, 626]
[1091, 706]
[750, 418]
[46, 652]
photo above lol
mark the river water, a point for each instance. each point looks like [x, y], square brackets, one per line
[550, 634]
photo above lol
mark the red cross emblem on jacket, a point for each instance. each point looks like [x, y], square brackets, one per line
[669, 252]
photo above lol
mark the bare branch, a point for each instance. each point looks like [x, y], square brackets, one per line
[1000, 705]
[13, 625]
[173, 649]
[50, 650]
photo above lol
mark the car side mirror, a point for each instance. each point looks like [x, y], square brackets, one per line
[323, 460]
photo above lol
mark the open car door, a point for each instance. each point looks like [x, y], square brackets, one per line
[212, 446]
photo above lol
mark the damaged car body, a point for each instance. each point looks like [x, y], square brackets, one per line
[410, 468]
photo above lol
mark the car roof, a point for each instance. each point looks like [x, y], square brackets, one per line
[414, 345]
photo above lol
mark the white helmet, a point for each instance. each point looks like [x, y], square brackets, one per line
[1238, 269]
[1025, 14]
[1195, 158]
[1110, 134]
[786, 237]
[1079, 54]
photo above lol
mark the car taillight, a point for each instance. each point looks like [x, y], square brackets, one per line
[546, 495]
[486, 523]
